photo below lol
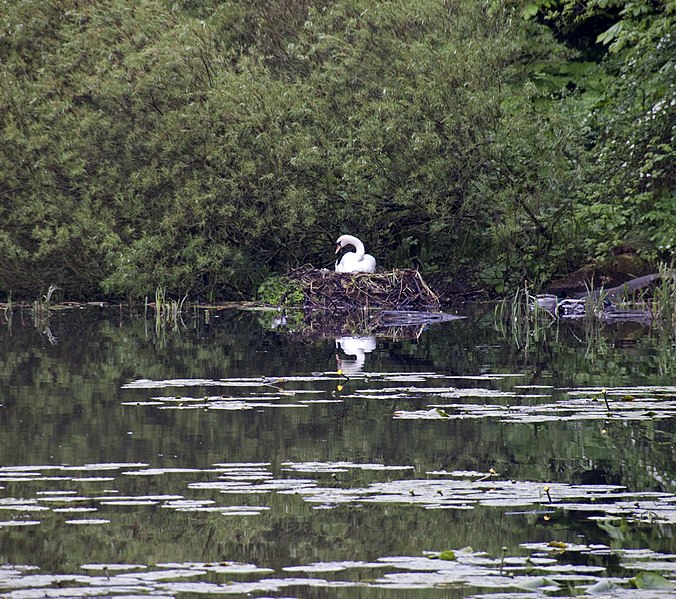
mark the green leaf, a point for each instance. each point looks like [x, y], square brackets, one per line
[447, 555]
[651, 581]
[610, 34]
[529, 11]
[614, 532]
[557, 544]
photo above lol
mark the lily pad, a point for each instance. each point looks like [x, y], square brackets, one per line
[652, 581]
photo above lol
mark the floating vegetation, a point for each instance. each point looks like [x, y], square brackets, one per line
[332, 467]
[547, 567]
[263, 381]
[539, 572]
[637, 403]
[521, 404]
[304, 391]
[6, 523]
[450, 492]
[441, 490]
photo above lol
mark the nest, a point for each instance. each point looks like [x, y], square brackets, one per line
[400, 290]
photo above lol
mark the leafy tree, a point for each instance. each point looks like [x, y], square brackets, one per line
[632, 194]
[628, 195]
[200, 146]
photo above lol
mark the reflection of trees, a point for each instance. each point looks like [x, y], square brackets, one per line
[64, 405]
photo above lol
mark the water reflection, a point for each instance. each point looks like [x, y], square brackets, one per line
[223, 453]
[356, 347]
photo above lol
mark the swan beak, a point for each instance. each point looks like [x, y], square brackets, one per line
[338, 247]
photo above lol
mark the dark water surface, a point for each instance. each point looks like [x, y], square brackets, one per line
[230, 457]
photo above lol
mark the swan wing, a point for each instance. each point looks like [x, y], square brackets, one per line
[349, 263]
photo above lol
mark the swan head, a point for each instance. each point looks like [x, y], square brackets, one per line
[344, 240]
[340, 243]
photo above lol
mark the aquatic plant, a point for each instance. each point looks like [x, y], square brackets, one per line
[41, 308]
[7, 309]
[167, 311]
[664, 298]
[522, 317]
[281, 291]
[43, 303]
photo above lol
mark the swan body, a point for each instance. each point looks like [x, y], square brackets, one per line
[357, 347]
[357, 261]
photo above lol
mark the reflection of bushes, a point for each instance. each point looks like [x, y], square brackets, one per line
[69, 396]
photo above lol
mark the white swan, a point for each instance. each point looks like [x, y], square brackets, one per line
[354, 261]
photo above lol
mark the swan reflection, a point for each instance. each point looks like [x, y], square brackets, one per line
[357, 346]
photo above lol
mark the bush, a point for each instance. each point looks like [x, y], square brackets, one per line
[203, 146]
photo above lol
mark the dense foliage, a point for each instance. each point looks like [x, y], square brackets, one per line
[201, 145]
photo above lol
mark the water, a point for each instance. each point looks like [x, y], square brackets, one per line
[230, 456]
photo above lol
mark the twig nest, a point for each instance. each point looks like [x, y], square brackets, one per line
[402, 289]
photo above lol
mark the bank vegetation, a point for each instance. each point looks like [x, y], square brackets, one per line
[201, 146]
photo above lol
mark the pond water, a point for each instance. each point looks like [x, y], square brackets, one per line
[237, 454]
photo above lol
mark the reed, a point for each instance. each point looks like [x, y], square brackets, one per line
[41, 311]
[593, 302]
[664, 299]
[7, 307]
[522, 316]
[44, 301]
[8, 311]
[42, 305]
[167, 311]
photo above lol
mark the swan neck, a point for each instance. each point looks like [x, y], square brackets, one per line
[358, 246]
